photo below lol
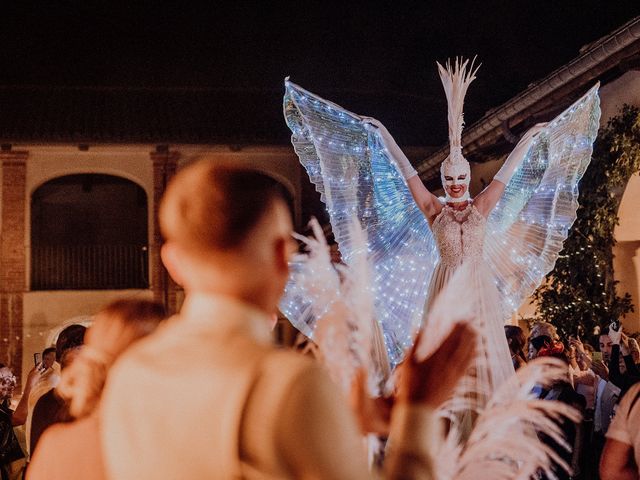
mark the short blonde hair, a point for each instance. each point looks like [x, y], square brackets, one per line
[82, 382]
[210, 205]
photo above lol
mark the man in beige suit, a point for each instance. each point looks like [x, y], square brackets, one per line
[208, 395]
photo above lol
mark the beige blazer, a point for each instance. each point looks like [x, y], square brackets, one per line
[208, 396]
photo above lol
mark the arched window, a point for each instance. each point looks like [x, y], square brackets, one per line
[89, 231]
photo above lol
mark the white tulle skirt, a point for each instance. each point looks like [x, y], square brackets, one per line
[469, 293]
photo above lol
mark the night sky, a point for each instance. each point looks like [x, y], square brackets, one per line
[375, 58]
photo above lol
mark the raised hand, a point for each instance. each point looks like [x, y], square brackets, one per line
[615, 334]
[34, 375]
[373, 414]
[432, 380]
[600, 369]
[576, 342]
[535, 130]
[371, 123]
[624, 343]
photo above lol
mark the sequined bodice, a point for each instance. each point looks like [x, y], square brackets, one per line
[459, 234]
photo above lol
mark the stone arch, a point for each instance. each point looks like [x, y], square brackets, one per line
[68, 171]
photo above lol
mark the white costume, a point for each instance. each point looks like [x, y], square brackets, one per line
[362, 174]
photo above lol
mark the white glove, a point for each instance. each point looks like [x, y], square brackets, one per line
[406, 169]
[515, 158]
[615, 335]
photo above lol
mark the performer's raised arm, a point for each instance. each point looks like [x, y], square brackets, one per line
[427, 202]
[486, 200]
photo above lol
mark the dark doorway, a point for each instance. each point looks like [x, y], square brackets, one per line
[89, 231]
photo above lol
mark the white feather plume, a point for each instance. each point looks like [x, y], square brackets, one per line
[347, 334]
[456, 80]
[515, 413]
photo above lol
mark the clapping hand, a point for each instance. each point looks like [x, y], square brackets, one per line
[373, 414]
[431, 381]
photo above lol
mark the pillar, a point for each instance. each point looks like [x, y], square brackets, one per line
[13, 261]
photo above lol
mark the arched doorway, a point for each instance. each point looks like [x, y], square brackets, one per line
[89, 231]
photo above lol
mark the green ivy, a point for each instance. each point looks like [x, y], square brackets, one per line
[579, 295]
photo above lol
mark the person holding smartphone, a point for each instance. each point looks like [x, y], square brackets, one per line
[45, 372]
[623, 371]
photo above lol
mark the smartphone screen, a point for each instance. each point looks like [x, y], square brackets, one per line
[596, 356]
[36, 359]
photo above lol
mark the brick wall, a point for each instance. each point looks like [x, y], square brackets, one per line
[12, 258]
[164, 288]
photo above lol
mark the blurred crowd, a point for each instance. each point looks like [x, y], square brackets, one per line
[603, 385]
[205, 394]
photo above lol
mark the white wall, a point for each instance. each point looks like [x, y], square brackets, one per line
[614, 95]
[45, 310]
[627, 251]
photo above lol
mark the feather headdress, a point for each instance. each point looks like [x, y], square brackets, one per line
[456, 80]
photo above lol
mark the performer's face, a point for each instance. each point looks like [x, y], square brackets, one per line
[456, 185]
[455, 178]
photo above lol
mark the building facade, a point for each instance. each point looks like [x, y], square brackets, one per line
[78, 229]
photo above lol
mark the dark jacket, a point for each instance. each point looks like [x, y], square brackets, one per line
[10, 450]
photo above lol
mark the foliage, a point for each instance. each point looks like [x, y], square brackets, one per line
[580, 293]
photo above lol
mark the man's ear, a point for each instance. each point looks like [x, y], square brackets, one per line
[171, 258]
[283, 253]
